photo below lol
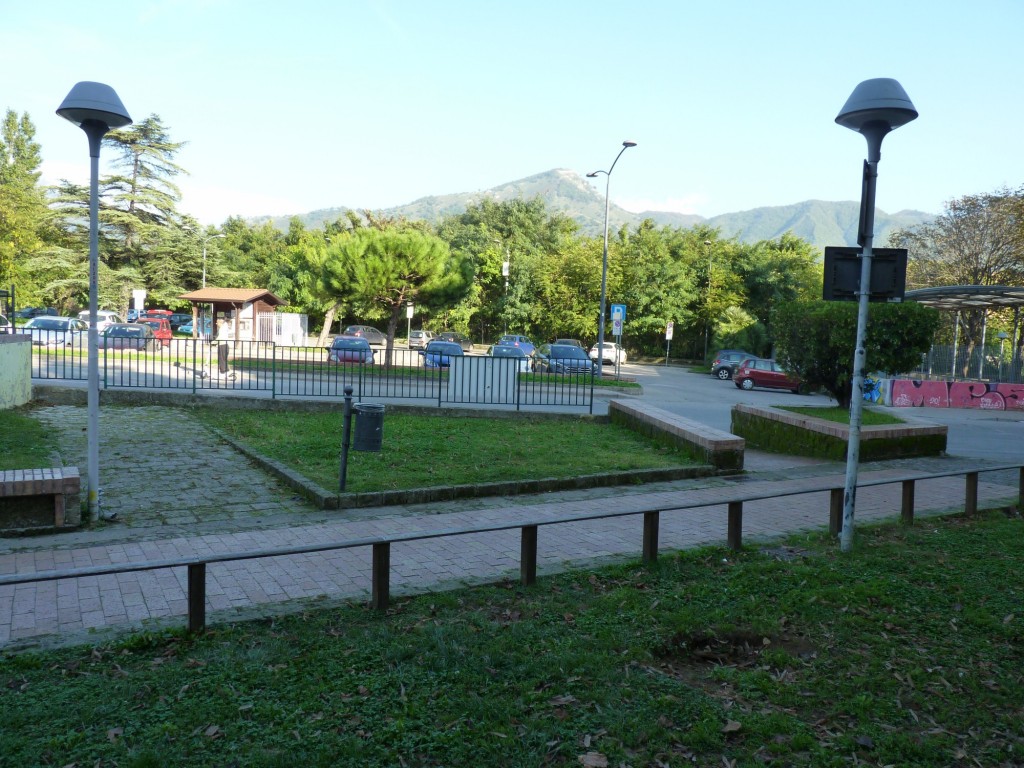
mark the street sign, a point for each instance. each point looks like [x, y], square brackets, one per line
[842, 274]
[616, 326]
[619, 311]
[668, 331]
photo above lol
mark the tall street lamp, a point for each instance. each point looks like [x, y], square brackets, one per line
[604, 258]
[504, 272]
[96, 109]
[874, 108]
[707, 322]
[211, 237]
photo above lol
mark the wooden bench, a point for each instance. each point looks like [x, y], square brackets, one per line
[722, 450]
[39, 499]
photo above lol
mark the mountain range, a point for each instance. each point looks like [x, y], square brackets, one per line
[563, 191]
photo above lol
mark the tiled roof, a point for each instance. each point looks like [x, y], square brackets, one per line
[232, 295]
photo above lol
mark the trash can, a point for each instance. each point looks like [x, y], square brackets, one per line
[369, 426]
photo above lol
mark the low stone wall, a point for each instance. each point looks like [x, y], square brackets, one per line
[722, 450]
[39, 500]
[780, 431]
[15, 370]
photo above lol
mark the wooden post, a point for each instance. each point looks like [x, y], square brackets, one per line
[835, 512]
[735, 533]
[907, 511]
[381, 591]
[650, 546]
[197, 597]
[528, 556]
[1020, 490]
[971, 500]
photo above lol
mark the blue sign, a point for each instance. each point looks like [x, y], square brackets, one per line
[619, 312]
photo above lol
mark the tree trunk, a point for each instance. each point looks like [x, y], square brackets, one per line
[328, 322]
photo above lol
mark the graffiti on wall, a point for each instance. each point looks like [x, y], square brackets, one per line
[910, 393]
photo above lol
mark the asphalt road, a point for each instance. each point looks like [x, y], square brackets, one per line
[995, 435]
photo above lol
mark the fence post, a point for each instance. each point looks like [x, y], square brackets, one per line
[735, 532]
[197, 597]
[835, 512]
[907, 509]
[971, 500]
[651, 522]
[380, 595]
[1020, 489]
[528, 556]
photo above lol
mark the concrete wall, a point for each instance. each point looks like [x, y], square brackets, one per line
[15, 370]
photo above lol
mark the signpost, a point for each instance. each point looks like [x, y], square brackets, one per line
[668, 340]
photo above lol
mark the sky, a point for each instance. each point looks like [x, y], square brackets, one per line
[286, 108]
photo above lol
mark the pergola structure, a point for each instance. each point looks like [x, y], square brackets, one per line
[239, 306]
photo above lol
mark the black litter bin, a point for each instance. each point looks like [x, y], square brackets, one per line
[369, 426]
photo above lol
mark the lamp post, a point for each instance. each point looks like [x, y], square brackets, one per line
[211, 237]
[604, 257]
[874, 108]
[504, 272]
[96, 109]
[707, 322]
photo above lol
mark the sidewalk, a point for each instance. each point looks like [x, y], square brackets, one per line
[208, 499]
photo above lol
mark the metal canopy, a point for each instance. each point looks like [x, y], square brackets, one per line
[959, 297]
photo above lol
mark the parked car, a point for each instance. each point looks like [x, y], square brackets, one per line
[371, 334]
[562, 358]
[439, 354]
[612, 353]
[48, 331]
[457, 338]
[161, 327]
[722, 366]
[511, 340]
[27, 313]
[132, 315]
[510, 351]
[768, 374]
[742, 362]
[350, 349]
[104, 317]
[137, 336]
[156, 314]
[419, 339]
[570, 342]
[179, 319]
[205, 326]
[6, 326]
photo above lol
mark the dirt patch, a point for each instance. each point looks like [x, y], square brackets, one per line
[731, 649]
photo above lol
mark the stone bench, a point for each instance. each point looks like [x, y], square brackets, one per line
[722, 450]
[33, 500]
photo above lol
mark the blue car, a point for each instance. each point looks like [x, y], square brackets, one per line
[439, 354]
[187, 328]
[512, 340]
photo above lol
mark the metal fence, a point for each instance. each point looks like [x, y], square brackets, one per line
[989, 363]
[289, 371]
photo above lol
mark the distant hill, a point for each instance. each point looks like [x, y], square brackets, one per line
[817, 221]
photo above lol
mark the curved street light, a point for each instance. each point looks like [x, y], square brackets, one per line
[96, 109]
[604, 258]
[875, 108]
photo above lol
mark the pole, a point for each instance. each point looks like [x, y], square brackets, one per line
[707, 321]
[95, 131]
[346, 433]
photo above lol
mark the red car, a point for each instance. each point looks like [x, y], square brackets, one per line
[765, 373]
[161, 328]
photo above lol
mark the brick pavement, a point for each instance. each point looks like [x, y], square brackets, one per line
[169, 512]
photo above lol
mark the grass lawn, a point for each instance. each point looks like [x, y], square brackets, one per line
[24, 442]
[907, 652]
[422, 450]
[842, 415]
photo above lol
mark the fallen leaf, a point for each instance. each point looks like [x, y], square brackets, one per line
[1008, 618]
[113, 734]
[212, 731]
[593, 760]
[731, 727]
[865, 741]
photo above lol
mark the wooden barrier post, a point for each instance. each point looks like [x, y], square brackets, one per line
[835, 512]
[735, 533]
[197, 597]
[528, 556]
[907, 510]
[381, 591]
[971, 500]
[651, 522]
[1020, 490]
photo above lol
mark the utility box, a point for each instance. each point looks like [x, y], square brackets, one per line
[369, 427]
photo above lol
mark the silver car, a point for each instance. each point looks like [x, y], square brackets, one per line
[49, 331]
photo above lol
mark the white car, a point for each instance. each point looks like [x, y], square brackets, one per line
[104, 317]
[49, 331]
[613, 353]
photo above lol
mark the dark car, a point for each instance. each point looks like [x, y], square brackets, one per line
[350, 349]
[562, 358]
[767, 374]
[179, 319]
[570, 342]
[371, 334]
[517, 356]
[29, 312]
[722, 367]
[456, 338]
[439, 354]
[137, 336]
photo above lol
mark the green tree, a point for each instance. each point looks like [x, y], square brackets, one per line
[23, 210]
[815, 340]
